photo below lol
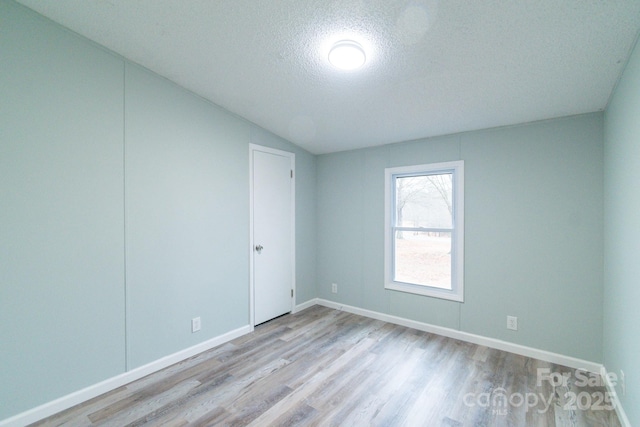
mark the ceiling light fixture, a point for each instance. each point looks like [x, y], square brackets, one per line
[347, 55]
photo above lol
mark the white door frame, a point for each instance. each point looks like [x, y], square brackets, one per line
[292, 157]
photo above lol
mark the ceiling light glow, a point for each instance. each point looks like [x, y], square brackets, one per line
[347, 55]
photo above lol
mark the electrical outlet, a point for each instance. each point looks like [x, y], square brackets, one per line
[195, 324]
[512, 323]
[334, 288]
[623, 385]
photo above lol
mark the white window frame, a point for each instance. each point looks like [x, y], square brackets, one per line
[456, 168]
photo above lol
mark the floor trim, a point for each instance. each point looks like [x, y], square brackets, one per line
[72, 399]
[305, 305]
[611, 388]
[95, 390]
[546, 356]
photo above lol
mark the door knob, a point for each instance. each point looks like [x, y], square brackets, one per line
[259, 248]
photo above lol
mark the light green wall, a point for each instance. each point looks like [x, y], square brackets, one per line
[187, 213]
[533, 233]
[106, 168]
[187, 222]
[61, 212]
[622, 236]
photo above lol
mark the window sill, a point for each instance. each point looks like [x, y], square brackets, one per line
[426, 291]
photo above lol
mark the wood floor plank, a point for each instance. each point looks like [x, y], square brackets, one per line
[316, 382]
[132, 412]
[325, 367]
[78, 415]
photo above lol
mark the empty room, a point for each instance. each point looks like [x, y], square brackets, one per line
[319, 213]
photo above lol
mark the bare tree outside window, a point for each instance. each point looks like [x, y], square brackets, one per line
[424, 213]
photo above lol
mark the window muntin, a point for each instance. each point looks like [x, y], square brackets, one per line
[424, 230]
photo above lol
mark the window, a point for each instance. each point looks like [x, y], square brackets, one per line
[424, 229]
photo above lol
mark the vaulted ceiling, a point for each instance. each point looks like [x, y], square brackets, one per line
[433, 67]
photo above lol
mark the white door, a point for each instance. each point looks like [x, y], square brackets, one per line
[272, 191]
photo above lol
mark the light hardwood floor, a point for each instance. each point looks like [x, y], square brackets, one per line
[327, 367]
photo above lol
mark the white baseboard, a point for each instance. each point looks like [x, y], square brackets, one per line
[70, 400]
[95, 390]
[615, 401]
[305, 305]
[535, 353]
[546, 356]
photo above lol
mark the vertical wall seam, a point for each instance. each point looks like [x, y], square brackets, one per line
[124, 215]
[464, 234]
[363, 164]
[384, 278]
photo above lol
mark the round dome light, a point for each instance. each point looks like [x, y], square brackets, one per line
[347, 55]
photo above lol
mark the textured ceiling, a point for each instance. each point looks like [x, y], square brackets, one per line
[433, 68]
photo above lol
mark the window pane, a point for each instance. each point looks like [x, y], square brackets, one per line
[423, 258]
[424, 201]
